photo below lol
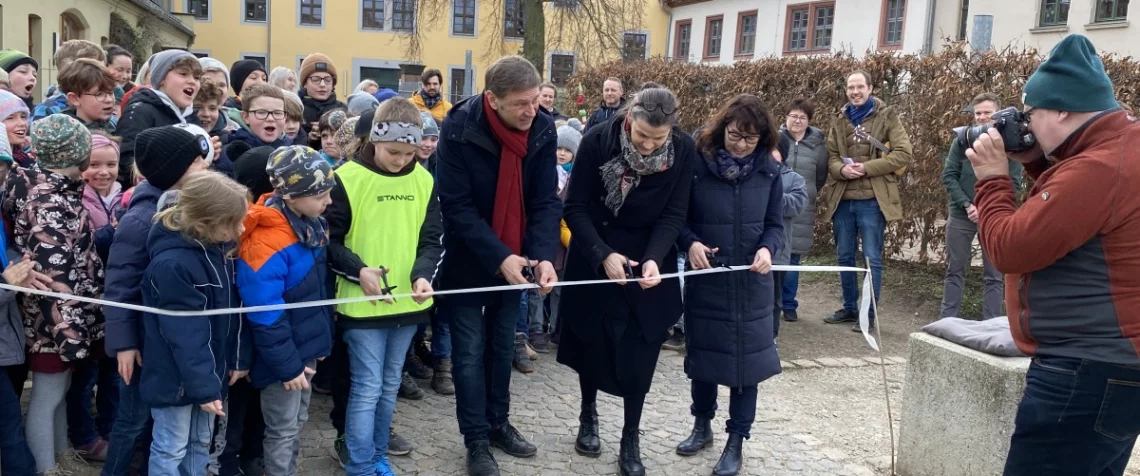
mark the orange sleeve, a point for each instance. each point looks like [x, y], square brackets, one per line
[1069, 207]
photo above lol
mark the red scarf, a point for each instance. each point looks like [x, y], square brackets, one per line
[509, 217]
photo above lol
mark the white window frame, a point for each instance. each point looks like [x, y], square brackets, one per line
[550, 63]
[324, 13]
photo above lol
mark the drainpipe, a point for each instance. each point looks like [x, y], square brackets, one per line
[668, 27]
[268, 36]
[928, 43]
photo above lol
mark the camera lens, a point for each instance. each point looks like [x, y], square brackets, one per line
[967, 135]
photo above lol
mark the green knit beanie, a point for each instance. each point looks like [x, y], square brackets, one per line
[1071, 79]
[12, 59]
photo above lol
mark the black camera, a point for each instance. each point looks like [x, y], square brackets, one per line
[1012, 124]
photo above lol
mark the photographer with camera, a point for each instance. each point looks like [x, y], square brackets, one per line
[962, 219]
[1074, 304]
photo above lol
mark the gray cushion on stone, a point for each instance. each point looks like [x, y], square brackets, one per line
[991, 336]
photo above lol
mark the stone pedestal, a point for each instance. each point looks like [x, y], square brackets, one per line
[958, 409]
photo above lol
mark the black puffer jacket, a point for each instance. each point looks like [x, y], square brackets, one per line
[314, 109]
[145, 110]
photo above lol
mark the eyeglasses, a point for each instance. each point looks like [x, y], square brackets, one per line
[736, 136]
[321, 79]
[795, 117]
[263, 114]
[651, 106]
[101, 96]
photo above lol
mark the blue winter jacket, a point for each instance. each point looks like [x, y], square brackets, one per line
[274, 267]
[126, 263]
[728, 316]
[238, 143]
[187, 359]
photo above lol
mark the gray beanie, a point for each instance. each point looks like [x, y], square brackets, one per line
[209, 63]
[161, 62]
[575, 123]
[568, 138]
[431, 129]
[360, 103]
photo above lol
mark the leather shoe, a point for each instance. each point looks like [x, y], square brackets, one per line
[588, 443]
[732, 458]
[699, 439]
[480, 461]
[508, 439]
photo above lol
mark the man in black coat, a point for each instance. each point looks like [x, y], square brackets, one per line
[501, 211]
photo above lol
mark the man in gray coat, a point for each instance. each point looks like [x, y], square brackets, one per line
[804, 150]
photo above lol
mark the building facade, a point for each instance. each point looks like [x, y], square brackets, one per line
[36, 27]
[725, 31]
[369, 39]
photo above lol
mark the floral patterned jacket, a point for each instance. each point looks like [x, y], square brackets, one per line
[51, 225]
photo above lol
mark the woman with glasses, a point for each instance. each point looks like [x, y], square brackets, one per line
[735, 218]
[627, 200]
[804, 149]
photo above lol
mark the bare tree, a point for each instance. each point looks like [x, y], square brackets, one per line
[592, 29]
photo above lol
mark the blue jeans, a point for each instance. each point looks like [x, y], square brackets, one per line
[524, 311]
[483, 345]
[860, 218]
[181, 443]
[82, 429]
[440, 336]
[376, 364]
[130, 423]
[1076, 417]
[15, 457]
[791, 286]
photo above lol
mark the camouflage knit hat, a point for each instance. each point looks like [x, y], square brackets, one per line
[60, 141]
[297, 171]
[346, 138]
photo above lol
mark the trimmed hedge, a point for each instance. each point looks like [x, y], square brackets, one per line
[931, 93]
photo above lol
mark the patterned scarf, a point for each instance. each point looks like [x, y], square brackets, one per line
[313, 232]
[623, 173]
[731, 168]
[429, 100]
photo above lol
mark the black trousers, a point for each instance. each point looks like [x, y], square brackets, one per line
[777, 299]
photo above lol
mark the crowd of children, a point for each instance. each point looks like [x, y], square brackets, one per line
[194, 186]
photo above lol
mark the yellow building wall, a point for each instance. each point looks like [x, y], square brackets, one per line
[28, 25]
[284, 42]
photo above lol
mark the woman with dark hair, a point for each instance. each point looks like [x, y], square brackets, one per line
[627, 200]
[121, 64]
[735, 218]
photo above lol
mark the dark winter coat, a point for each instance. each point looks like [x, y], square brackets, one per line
[314, 109]
[145, 109]
[645, 229]
[728, 316]
[188, 358]
[275, 267]
[125, 266]
[808, 157]
[602, 114]
[794, 204]
[241, 141]
[466, 177]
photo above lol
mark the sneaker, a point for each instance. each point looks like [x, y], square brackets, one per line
[339, 451]
[791, 315]
[383, 468]
[521, 361]
[841, 316]
[410, 389]
[676, 341]
[397, 445]
[480, 461]
[416, 367]
[540, 342]
[93, 451]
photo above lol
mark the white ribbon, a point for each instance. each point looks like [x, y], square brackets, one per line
[864, 306]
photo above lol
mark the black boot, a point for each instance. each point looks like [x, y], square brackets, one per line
[588, 443]
[508, 439]
[629, 456]
[732, 458]
[699, 439]
[480, 461]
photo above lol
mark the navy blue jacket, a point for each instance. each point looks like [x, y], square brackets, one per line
[239, 142]
[126, 263]
[467, 174]
[274, 267]
[728, 316]
[603, 113]
[188, 358]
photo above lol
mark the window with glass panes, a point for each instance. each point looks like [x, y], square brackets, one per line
[798, 30]
[463, 17]
[809, 27]
[513, 15]
[255, 10]
[963, 19]
[200, 9]
[372, 14]
[893, 22]
[1111, 10]
[684, 35]
[1054, 12]
[561, 68]
[824, 23]
[633, 46]
[403, 15]
[747, 40]
[311, 12]
[713, 35]
[458, 84]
